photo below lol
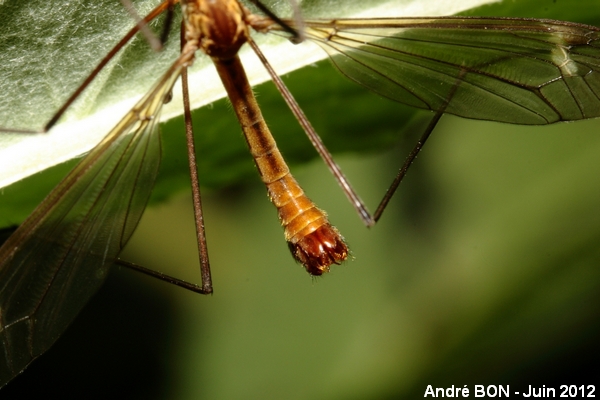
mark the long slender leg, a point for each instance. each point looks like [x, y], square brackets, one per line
[196, 196]
[315, 139]
[165, 278]
[417, 149]
[407, 163]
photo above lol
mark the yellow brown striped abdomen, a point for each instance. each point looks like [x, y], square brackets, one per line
[312, 240]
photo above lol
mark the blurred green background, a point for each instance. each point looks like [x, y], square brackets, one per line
[483, 270]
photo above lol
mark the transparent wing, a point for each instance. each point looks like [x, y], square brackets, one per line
[58, 258]
[511, 70]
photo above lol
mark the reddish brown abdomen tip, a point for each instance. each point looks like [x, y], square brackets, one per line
[319, 249]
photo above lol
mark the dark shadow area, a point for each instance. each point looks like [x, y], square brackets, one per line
[116, 348]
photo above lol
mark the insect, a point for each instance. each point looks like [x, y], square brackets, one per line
[509, 70]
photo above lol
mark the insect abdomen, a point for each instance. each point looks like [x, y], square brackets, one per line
[313, 241]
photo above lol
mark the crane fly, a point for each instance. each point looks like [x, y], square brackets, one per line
[523, 71]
